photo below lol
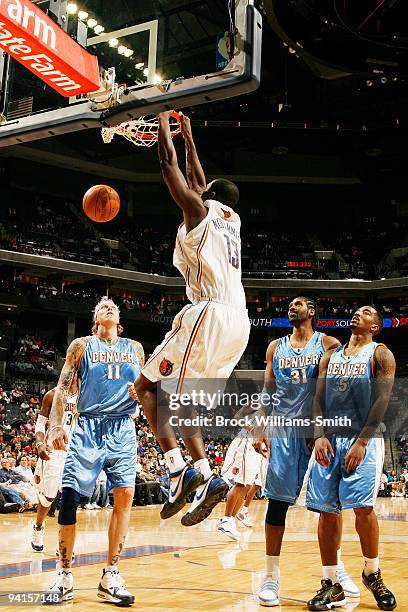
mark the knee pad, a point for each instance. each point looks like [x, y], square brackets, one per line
[69, 502]
[276, 513]
[44, 501]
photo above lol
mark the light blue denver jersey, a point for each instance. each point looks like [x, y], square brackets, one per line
[295, 373]
[348, 384]
[104, 371]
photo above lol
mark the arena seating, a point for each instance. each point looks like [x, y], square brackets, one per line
[146, 243]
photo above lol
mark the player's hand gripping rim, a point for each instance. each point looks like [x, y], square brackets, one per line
[323, 451]
[186, 127]
[58, 438]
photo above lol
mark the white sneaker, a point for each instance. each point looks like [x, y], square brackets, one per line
[112, 588]
[95, 506]
[227, 526]
[349, 587]
[244, 518]
[269, 592]
[63, 587]
[88, 507]
[37, 538]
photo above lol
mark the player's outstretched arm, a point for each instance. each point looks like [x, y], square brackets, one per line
[195, 174]
[188, 200]
[74, 353]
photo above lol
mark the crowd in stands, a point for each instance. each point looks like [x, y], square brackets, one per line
[279, 254]
[364, 246]
[394, 483]
[81, 294]
[50, 227]
[40, 228]
[18, 411]
[328, 307]
[33, 354]
[403, 448]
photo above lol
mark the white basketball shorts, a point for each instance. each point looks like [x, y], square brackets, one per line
[242, 464]
[206, 341]
[50, 474]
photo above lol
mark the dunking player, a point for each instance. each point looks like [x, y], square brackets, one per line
[210, 334]
[48, 472]
[292, 365]
[103, 439]
[355, 381]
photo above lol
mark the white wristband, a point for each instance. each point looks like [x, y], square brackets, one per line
[40, 424]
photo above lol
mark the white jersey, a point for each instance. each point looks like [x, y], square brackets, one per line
[69, 414]
[209, 257]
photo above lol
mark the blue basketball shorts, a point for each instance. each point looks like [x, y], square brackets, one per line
[332, 489]
[101, 443]
[288, 464]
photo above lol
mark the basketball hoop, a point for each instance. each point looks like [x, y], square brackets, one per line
[142, 132]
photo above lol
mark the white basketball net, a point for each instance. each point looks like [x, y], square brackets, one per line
[141, 132]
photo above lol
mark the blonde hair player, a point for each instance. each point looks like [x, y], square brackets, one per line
[48, 472]
[104, 438]
[211, 333]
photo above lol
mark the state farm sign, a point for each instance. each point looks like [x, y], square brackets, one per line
[39, 44]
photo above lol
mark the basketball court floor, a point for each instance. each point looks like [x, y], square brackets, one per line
[170, 567]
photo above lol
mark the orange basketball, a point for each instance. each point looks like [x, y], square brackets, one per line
[101, 203]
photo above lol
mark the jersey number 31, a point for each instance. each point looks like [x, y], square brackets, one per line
[299, 376]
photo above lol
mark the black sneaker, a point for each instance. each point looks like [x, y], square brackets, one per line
[329, 596]
[10, 507]
[181, 485]
[383, 596]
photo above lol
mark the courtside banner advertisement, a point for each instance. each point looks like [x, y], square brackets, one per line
[389, 323]
[333, 323]
[39, 44]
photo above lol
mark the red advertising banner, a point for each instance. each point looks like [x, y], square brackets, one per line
[39, 44]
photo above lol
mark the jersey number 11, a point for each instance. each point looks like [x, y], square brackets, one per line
[113, 371]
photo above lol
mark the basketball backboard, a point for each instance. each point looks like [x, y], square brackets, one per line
[153, 56]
